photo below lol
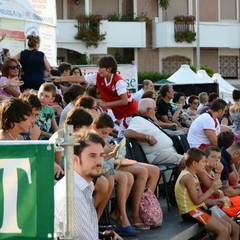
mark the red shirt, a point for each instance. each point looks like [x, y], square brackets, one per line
[109, 94]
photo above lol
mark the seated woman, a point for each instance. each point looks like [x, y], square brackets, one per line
[15, 118]
[10, 70]
[180, 113]
[193, 102]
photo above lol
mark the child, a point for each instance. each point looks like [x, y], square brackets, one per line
[225, 141]
[145, 175]
[46, 119]
[207, 177]
[230, 157]
[113, 89]
[191, 200]
[31, 97]
[103, 125]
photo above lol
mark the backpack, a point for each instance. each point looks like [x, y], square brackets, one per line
[150, 210]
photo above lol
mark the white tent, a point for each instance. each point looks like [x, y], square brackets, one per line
[225, 88]
[204, 76]
[185, 75]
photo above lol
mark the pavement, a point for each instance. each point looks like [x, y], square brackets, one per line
[173, 228]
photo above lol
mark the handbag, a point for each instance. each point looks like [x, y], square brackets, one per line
[150, 210]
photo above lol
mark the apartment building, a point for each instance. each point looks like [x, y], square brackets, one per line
[151, 45]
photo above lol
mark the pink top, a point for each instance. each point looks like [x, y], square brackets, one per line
[2, 92]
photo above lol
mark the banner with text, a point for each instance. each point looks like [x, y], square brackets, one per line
[37, 17]
[26, 190]
[39, 11]
[127, 71]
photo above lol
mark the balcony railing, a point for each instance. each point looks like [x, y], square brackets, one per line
[118, 35]
[212, 34]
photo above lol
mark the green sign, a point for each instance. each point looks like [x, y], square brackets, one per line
[26, 190]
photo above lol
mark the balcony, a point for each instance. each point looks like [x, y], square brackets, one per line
[118, 35]
[212, 35]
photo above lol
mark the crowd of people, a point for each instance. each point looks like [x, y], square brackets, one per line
[37, 102]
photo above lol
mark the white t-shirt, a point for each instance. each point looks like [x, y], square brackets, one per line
[64, 114]
[163, 151]
[196, 135]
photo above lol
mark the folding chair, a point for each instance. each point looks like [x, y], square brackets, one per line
[134, 151]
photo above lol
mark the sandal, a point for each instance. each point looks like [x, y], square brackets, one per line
[141, 226]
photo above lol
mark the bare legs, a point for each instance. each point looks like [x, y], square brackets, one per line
[102, 193]
[216, 226]
[140, 179]
[153, 175]
[124, 185]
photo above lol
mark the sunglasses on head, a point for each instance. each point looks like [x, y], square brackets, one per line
[14, 67]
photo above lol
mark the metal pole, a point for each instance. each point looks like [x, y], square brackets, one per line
[198, 37]
[68, 164]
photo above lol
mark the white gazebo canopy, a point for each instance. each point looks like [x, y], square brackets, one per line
[185, 75]
[225, 88]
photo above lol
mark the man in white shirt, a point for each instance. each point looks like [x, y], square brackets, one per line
[146, 85]
[88, 163]
[205, 128]
[157, 146]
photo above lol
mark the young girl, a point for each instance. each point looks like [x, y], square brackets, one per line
[191, 200]
[113, 89]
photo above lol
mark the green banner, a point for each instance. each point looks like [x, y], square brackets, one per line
[26, 190]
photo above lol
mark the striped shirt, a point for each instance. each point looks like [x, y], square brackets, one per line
[86, 221]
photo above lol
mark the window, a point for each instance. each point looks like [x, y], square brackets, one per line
[229, 66]
[228, 10]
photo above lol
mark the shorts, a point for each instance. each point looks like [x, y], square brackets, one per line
[199, 215]
[168, 155]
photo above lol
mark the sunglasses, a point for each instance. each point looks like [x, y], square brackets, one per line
[14, 67]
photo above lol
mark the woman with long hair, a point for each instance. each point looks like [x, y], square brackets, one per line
[10, 70]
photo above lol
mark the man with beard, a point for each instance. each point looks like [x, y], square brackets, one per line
[88, 163]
